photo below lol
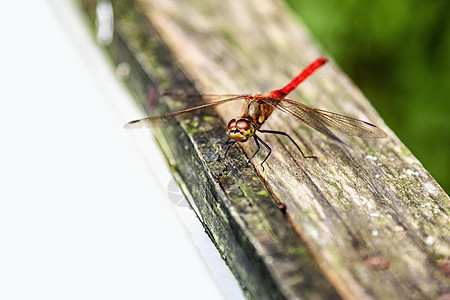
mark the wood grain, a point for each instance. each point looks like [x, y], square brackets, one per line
[363, 221]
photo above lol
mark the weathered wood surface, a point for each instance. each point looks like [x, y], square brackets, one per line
[363, 221]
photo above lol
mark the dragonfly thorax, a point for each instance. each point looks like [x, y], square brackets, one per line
[241, 129]
[256, 108]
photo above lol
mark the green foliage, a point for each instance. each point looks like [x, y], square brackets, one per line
[398, 53]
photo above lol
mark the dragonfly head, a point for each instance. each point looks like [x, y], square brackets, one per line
[241, 129]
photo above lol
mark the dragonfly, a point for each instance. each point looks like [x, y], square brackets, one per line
[257, 108]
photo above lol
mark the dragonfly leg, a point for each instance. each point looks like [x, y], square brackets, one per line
[257, 150]
[285, 134]
[225, 143]
[257, 138]
[230, 144]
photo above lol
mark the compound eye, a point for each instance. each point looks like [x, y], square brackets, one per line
[243, 125]
[231, 124]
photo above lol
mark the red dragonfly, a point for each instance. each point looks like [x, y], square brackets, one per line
[258, 107]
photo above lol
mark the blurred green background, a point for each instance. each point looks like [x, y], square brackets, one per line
[398, 53]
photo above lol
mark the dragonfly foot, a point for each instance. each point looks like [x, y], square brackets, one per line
[262, 167]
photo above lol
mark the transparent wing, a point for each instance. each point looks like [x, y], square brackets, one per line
[204, 97]
[157, 120]
[322, 120]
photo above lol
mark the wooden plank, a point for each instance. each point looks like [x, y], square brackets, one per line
[363, 221]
